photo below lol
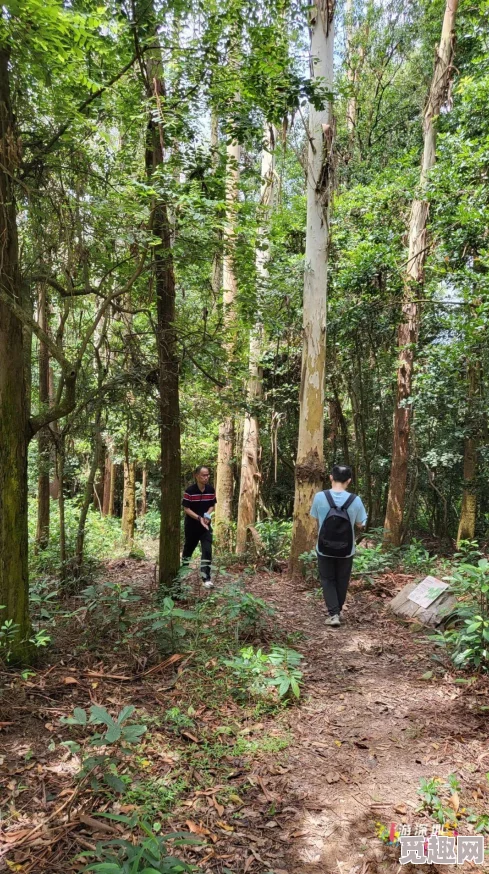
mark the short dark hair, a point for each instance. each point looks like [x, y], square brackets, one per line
[341, 473]
[199, 468]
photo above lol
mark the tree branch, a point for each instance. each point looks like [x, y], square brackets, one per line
[86, 103]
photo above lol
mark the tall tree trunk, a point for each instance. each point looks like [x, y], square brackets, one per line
[14, 584]
[113, 475]
[60, 475]
[225, 453]
[54, 484]
[108, 473]
[88, 495]
[168, 360]
[309, 469]
[216, 277]
[468, 513]
[43, 438]
[408, 329]
[129, 501]
[144, 492]
[250, 459]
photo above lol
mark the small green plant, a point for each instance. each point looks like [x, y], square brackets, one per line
[257, 671]
[167, 624]
[435, 795]
[415, 556]
[287, 676]
[309, 567]
[275, 535]
[371, 560]
[245, 611]
[9, 631]
[148, 854]
[178, 720]
[117, 736]
[468, 552]
[109, 602]
[480, 822]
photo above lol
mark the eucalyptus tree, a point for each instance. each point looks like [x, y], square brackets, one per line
[309, 468]
[413, 277]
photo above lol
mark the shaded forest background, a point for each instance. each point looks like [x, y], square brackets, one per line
[152, 284]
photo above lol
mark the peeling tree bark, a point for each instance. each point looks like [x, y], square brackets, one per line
[225, 455]
[309, 469]
[250, 459]
[408, 329]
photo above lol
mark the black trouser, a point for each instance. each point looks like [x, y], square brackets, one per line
[334, 574]
[196, 533]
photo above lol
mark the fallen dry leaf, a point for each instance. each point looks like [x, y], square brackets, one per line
[70, 681]
[454, 801]
[13, 837]
[401, 808]
[332, 777]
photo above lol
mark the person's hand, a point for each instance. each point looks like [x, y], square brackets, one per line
[204, 522]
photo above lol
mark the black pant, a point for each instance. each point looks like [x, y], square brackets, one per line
[194, 534]
[334, 574]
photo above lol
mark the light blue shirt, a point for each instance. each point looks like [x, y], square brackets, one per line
[356, 511]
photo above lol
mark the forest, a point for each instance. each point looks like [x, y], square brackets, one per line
[249, 235]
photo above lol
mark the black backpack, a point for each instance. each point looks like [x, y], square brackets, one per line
[336, 534]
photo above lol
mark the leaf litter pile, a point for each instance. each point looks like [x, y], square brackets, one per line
[113, 744]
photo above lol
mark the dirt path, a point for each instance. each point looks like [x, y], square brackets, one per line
[367, 730]
[376, 715]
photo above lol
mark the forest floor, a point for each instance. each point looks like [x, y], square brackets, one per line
[290, 790]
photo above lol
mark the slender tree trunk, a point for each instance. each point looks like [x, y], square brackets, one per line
[408, 329]
[250, 460]
[113, 475]
[60, 474]
[88, 495]
[216, 278]
[54, 484]
[106, 489]
[43, 438]
[129, 498]
[98, 486]
[225, 453]
[14, 434]
[168, 359]
[468, 513]
[309, 469]
[144, 492]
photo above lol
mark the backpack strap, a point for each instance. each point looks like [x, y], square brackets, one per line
[329, 498]
[349, 501]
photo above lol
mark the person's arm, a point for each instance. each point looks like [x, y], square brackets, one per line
[196, 516]
[361, 517]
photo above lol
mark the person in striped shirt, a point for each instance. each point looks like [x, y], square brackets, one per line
[198, 504]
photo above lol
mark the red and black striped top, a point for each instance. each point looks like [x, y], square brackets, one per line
[198, 501]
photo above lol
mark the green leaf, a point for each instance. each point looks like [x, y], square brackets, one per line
[295, 687]
[125, 713]
[113, 733]
[100, 716]
[115, 783]
[132, 733]
[106, 868]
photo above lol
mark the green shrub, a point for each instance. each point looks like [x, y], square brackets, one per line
[146, 854]
[467, 642]
[276, 536]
